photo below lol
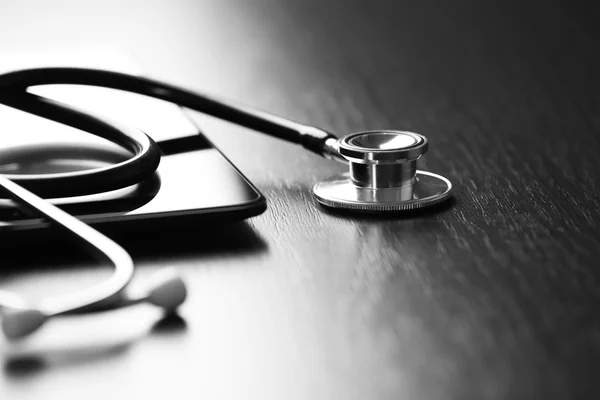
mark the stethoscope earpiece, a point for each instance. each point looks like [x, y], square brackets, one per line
[167, 290]
[17, 323]
[382, 175]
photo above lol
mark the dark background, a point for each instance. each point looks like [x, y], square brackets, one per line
[493, 297]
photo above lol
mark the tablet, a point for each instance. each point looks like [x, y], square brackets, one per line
[193, 183]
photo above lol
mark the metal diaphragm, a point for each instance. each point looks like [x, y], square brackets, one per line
[383, 174]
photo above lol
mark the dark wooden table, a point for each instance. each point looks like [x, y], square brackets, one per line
[493, 297]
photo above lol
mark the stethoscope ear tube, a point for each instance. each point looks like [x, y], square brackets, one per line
[21, 318]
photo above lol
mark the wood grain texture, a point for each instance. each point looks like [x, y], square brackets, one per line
[493, 297]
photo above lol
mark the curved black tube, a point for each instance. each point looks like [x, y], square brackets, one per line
[311, 138]
[129, 172]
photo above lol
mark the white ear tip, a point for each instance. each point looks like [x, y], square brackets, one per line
[17, 323]
[169, 293]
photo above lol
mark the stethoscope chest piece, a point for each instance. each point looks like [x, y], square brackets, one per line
[383, 175]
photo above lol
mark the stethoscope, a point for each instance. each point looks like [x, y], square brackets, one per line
[382, 178]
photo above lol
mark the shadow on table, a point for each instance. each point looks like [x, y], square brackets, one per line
[24, 364]
[40, 249]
